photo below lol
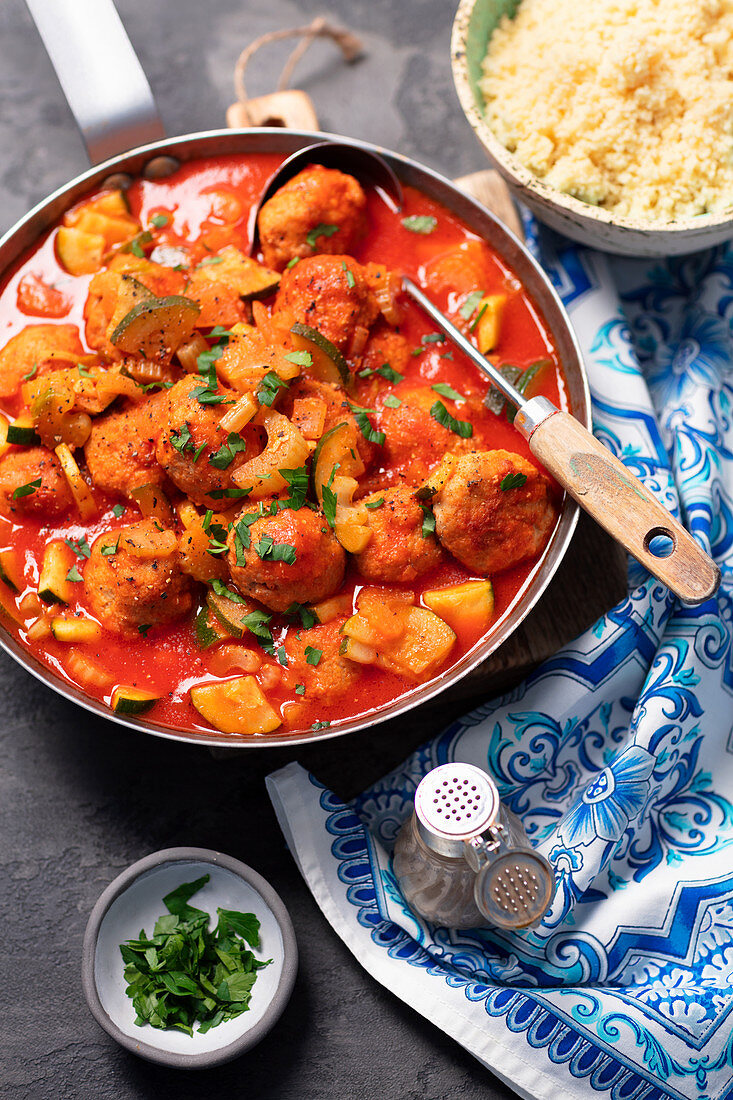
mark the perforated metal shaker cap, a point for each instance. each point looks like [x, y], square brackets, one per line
[515, 889]
[453, 803]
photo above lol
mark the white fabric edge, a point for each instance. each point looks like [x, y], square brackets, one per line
[293, 797]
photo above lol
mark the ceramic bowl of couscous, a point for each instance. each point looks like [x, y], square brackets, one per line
[611, 121]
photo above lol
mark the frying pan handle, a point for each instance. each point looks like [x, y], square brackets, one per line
[100, 75]
[619, 502]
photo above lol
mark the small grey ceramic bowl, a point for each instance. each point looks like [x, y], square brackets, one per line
[134, 901]
[473, 27]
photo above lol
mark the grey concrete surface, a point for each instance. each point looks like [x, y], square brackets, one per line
[80, 799]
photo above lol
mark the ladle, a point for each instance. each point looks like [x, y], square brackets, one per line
[596, 479]
[361, 163]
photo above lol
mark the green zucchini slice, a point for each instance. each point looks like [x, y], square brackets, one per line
[22, 432]
[156, 327]
[231, 615]
[244, 275]
[208, 629]
[132, 700]
[11, 573]
[329, 364]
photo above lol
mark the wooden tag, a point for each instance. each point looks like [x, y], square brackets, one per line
[292, 109]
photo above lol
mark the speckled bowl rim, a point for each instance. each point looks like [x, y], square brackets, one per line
[252, 1036]
[515, 172]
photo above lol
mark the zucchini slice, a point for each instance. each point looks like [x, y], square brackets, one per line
[231, 615]
[246, 277]
[76, 631]
[80, 491]
[11, 571]
[132, 700]
[208, 629]
[53, 587]
[329, 364]
[336, 451]
[155, 327]
[22, 432]
[235, 706]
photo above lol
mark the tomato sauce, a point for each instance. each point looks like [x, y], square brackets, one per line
[208, 203]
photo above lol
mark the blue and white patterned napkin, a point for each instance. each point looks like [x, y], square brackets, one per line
[617, 753]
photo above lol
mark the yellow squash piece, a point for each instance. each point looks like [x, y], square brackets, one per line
[80, 491]
[465, 607]
[79, 253]
[488, 329]
[75, 631]
[235, 706]
[132, 700]
[414, 644]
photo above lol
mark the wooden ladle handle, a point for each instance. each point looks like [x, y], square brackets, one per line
[619, 502]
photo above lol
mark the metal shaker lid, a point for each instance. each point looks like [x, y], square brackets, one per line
[453, 803]
[515, 889]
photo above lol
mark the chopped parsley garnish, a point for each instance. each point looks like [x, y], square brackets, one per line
[218, 332]
[291, 263]
[269, 550]
[463, 428]
[118, 510]
[417, 351]
[368, 430]
[330, 503]
[198, 452]
[79, 546]
[183, 440]
[187, 973]
[428, 522]
[28, 489]
[374, 503]
[386, 372]
[136, 244]
[144, 628]
[210, 260]
[307, 617]
[110, 548]
[208, 395]
[351, 281]
[297, 480]
[420, 223]
[312, 655]
[513, 481]
[300, 358]
[226, 454]
[256, 623]
[221, 590]
[474, 324]
[320, 231]
[391, 401]
[27, 377]
[159, 220]
[300, 689]
[74, 574]
[270, 387]
[433, 338]
[469, 306]
[282, 656]
[447, 391]
[217, 534]
[447, 355]
[320, 725]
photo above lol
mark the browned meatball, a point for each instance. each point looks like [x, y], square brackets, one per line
[332, 295]
[317, 196]
[487, 527]
[337, 411]
[21, 469]
[139, 583]
[190, 437]
[385, 347]
[315, 571]
[331, 676]
[397, 550]
[416, 441]
[120, 451]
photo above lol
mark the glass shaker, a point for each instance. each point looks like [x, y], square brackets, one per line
[464, 860]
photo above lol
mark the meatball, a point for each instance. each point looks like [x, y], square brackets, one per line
[190, 437]
[332, 295]
[29, 351]
[416, 441]
[139, 583]
[317, 196]
[385, 347]
[120, 451]
[22, 468]
[337, 411]
[397, 550]
[487, 527]
[333, 676]
[258, 569]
